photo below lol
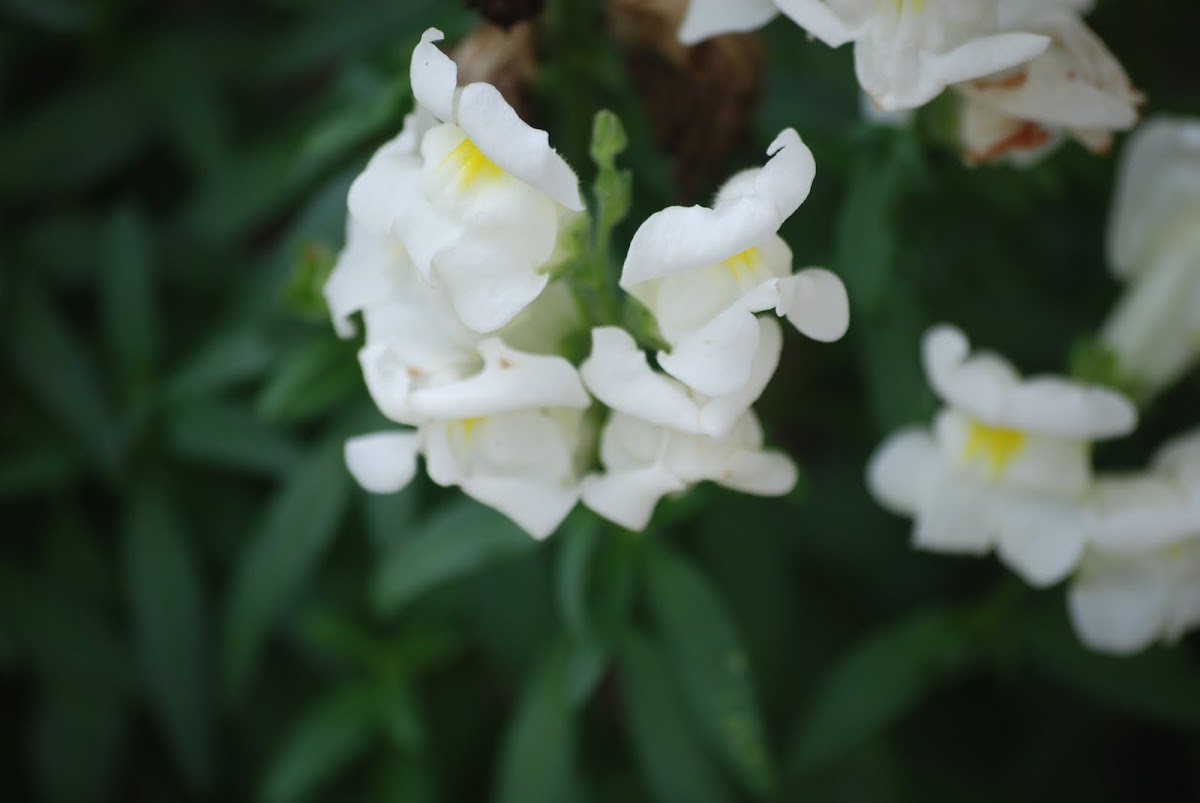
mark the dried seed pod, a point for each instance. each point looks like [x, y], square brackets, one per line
[504, 58]
[506, 13]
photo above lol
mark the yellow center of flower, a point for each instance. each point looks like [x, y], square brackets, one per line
[469, 165]
[995, 445]
[916, 6]
[745, 265]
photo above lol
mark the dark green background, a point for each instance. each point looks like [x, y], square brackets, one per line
[197, 604]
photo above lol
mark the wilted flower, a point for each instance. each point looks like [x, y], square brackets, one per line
[1077, 86]
[1006, 463]
[905, 51]
[1139, 581]
[1154, 245]
[644, 461]
[704, 273]
[475, 196]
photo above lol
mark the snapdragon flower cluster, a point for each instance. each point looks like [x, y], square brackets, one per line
[464, 234]
[1006, 465]
[1028, 73]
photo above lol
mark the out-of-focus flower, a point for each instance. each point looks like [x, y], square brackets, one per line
[1139, 581]
[905, 51]
[475, 196]
[1077, 86]
[644, 461]
[704, 273]
[1006, 463]
[618, 374]
[1154, 245]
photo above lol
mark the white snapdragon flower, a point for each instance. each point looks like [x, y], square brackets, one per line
[509, 435]
[1006, 463]
[1077, 86]
[905, 51]
[476, 197]
[1139, 582]
[704, 273]
[1154, 245]
[618, 375]
[644, 461]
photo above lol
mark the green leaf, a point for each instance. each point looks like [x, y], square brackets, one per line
[282, 555]
[885, 676]
[457, 540]
[230, 434]
[537, 756]
[54, 365]
[398, 715]
[669, 751]
[233, 355]
[711, 665]
[572, 575]
[389, 517]
[311, 379]
[78, 733]
[41, 468]
[167, 607]
[330, 735]
[130, 325]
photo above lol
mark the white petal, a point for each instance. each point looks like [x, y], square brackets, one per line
[537, 507]
[760, 473]
[520, 149]
[386, 188]
[488, 287]
[986, 55]
[903, 470]
[988, 388]
[716, 360]
[816, 17]
[367, 271]
[786, 179]
[955, 517]
[705, 19]
[628, 497]
[511, 380]
[815, 301]
[1158, 181]
[1117, 612]
[434, 76]
[680, 238]
[1042, 542]
[383, 462]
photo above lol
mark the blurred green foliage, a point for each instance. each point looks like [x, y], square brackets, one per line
[197, 604]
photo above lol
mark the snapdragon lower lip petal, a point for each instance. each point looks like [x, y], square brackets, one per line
[628, 497]
[1119, 612]
[820, 20]
[536, 507]
[383, 462]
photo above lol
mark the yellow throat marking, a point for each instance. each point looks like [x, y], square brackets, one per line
[468, 426]
[470, 165]
[916, 6]
[745, 265]
[995, 445]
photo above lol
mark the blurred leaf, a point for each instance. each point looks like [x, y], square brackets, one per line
[282, 555]
[49, 150]
[230, 434]
[670, 753]
[883, 678]
[572, 576]
[231, 356]
[458, 539]
[27, 472]
[328, 736]
[866, 233]
[60, 16]
[389, 517]
[127, 294]
[711, 665]
[311, 269]
[52, 362]
[1160, 684]
[77, 736]
[398, 715]
[311, 379]
[537, 754]
[167, 606]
